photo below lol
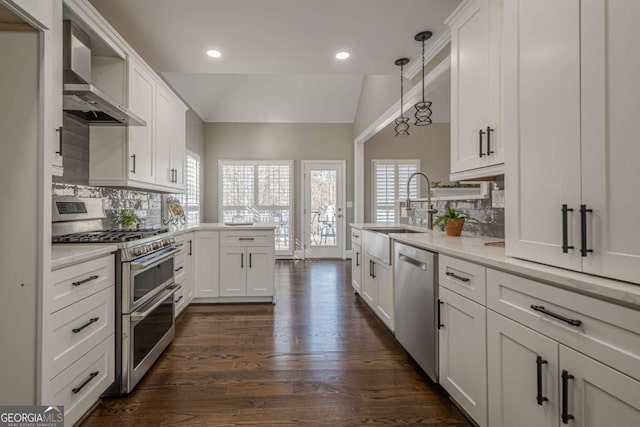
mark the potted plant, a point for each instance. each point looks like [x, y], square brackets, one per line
[453, 220]
[124, 219]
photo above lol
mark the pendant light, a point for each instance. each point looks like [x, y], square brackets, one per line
[423, 108]
[402, 122]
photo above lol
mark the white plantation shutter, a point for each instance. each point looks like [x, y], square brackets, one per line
[259, 191]
[390, 184]
[190, 200]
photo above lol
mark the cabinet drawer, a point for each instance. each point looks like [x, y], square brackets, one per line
[74, 330]
[463, 277]
[179, 299]
[80, 385]
[607, 332]
[246, 238]
[78, 281]
[356, 236]
[180, 270]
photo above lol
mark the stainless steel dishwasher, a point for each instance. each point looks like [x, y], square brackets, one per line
[416, 300]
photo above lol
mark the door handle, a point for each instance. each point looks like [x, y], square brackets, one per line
[357, 259]
[480, 133]
[440, 325]
[566, 416]
[539, 397]
[133, 168]
[373, 269]
[412, 261]
[489, 151]
[455, 276]
[250, 259]
[565, 229]
[59, 130]
[583, 230]
[242, 260]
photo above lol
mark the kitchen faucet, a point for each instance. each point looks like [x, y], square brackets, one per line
[430, 209]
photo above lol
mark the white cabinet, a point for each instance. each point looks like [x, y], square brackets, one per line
[247, 261]
[54, 58]
[205, 270]
[571, 125]
[184, 272]
[38, 12]
[377, 289]
[462, 353]
[356, 267]
[142, 88]
[169, 140]
[476, 131]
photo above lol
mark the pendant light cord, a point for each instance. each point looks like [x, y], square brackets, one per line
[422, 70]
[401, 91]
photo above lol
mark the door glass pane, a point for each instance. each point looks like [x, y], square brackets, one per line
[323, 207]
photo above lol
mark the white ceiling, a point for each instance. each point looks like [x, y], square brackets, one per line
[277, 61]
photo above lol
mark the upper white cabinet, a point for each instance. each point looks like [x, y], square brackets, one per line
[169, 140]
[142, 89]
[476, 132]
[37, 12]
[570, 117]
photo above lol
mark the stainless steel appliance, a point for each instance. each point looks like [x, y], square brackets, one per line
[416, 301]
[144, 305]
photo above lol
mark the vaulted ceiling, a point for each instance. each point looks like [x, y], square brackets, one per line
[277, 62]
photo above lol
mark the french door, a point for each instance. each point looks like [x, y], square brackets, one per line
[323, 223]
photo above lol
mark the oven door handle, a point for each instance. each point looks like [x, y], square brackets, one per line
[155, 260]
[138, 316]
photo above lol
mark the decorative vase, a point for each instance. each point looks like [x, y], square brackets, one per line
[453, 227]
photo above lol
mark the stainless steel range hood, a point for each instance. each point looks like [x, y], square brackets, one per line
[80, 97]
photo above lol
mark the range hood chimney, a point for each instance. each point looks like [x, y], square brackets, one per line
[80, 97]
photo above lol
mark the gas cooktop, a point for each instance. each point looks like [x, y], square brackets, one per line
[109, 236]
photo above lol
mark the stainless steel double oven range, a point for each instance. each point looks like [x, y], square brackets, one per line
[144, 305]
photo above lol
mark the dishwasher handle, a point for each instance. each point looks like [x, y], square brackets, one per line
[421, 265]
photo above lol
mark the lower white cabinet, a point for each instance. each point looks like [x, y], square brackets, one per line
[356, 267]
[184, 272]
[535, 381]
[206, 264]
[462, 352]
[377, 289]
[247, 261]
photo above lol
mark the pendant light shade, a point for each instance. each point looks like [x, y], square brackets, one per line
[402, 122]
[423, 108]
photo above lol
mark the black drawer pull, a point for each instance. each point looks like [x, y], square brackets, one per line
[541, 309]
[83, 281]
[440, 325]
[92, 375]
[179, 268]
[179, 299]
[539, 362]
[89, 323]
[566, 416]
[246, 239]
[357, 236]
[455, 276]
[565, 229]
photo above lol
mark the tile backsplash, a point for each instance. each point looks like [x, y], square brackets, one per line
[490, 220]
[147, 205]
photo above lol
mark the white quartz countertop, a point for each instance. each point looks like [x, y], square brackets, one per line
[386, 226]
[64, 255]
[218, 226]
[472, 248]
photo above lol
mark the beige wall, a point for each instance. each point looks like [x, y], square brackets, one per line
[429, 144]
[283, 141]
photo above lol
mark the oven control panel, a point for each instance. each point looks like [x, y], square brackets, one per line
[151, 247]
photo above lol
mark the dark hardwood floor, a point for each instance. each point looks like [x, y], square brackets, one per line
[318, 357]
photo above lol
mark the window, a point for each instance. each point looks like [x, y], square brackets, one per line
[190, 200]
[389, 183]
[259, 191]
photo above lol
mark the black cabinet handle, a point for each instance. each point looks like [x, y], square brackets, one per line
[179, 268]
[541, 309]
[249, 239]
[83, 281]
[242, 260]
[190, 248]
[565, 229]
[455, 276]
[370, 268]
[539, 397]
[480, 133]
[583, 230]
[489, 151]
[59, 130]
[92, 375]
[250, 259]
[89, 323]
[133, 163]
[373, 269]
[179, 299]
[357, 259]
[565, 397]
[440, 325]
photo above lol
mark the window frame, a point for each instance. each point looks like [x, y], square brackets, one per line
[182, 197]
[256, 164]
[373, 177]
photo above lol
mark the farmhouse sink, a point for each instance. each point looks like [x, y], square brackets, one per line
[376, 241]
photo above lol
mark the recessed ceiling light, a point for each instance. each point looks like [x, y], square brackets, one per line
[342, 55]
[214, 53]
